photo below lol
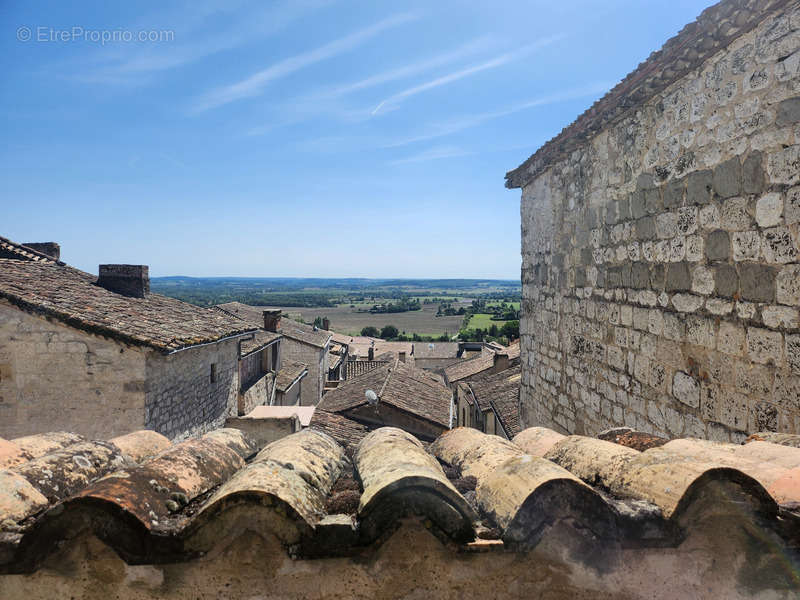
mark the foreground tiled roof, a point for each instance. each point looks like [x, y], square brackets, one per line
[500, 392]
[72, 296]
[289, 327]
[713, 30]
[289, 373]
[412, 390]
[154, 502]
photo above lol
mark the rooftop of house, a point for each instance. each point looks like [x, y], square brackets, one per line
[156, 502]
[53, 289]
[499, 392]
[289, 328]
[470, 367]
[344, 430]
[261, 339]
[713, 30]
[11, 249]
[397, 384]
[288, 374]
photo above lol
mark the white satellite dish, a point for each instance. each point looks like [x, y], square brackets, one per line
[372, 397]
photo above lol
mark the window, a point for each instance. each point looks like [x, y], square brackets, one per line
[213, 372]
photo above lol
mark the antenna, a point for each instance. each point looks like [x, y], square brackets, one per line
[372, 398]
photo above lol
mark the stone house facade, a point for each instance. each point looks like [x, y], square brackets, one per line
[300, 343]
[103, 357]
[660, 243]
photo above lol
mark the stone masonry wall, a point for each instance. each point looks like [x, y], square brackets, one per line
[181, 399]
[313, 358]
[661, 262]
[54, 377]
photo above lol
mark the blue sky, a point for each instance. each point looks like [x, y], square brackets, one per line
[301, 138]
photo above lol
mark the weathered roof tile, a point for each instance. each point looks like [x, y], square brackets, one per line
[399, 476]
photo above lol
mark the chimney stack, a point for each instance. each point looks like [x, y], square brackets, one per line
[128, 280]
[402, 356]
[51, 249]
[501, 362]
[326, 323]
[272, 320]
[371, 353]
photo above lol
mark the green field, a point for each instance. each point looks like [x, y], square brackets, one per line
[483, 321]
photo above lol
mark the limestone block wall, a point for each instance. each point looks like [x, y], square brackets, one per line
[314, 382]
[181, 400]
[661, 262]
[54, 377]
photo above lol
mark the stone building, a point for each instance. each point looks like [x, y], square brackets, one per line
[660, 250]
[385, 516]
[102, 356]
[490, 402]
[259, 370]
[300, 343]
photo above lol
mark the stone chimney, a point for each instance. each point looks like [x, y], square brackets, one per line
[272, 320]
[128, 280]
[51, 249]
[326, 323]
[501, 362]
[402, 356]
[371, 353]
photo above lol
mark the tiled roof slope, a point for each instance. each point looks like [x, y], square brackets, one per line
[289, 373]
[435, 350]
[500, 391]
[468, 368]
[261, 339]
[72, 296]
[346, 432]
[10, 249]
[154, 502]
[713, 30]
[289, 327]
[405, 387]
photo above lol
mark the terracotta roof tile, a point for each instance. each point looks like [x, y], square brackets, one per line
[72, 296]
[191, 498]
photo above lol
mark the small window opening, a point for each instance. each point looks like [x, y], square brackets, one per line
[213, 372]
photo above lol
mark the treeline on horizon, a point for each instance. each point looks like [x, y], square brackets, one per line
[321, 293]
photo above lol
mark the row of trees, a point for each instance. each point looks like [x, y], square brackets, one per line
[390, 332]
[509, 331]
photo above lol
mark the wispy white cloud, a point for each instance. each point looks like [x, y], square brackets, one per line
[411, 69]
[493, 63]
[435, 153]
[452, 126]
[328, 101]
[255, 83]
